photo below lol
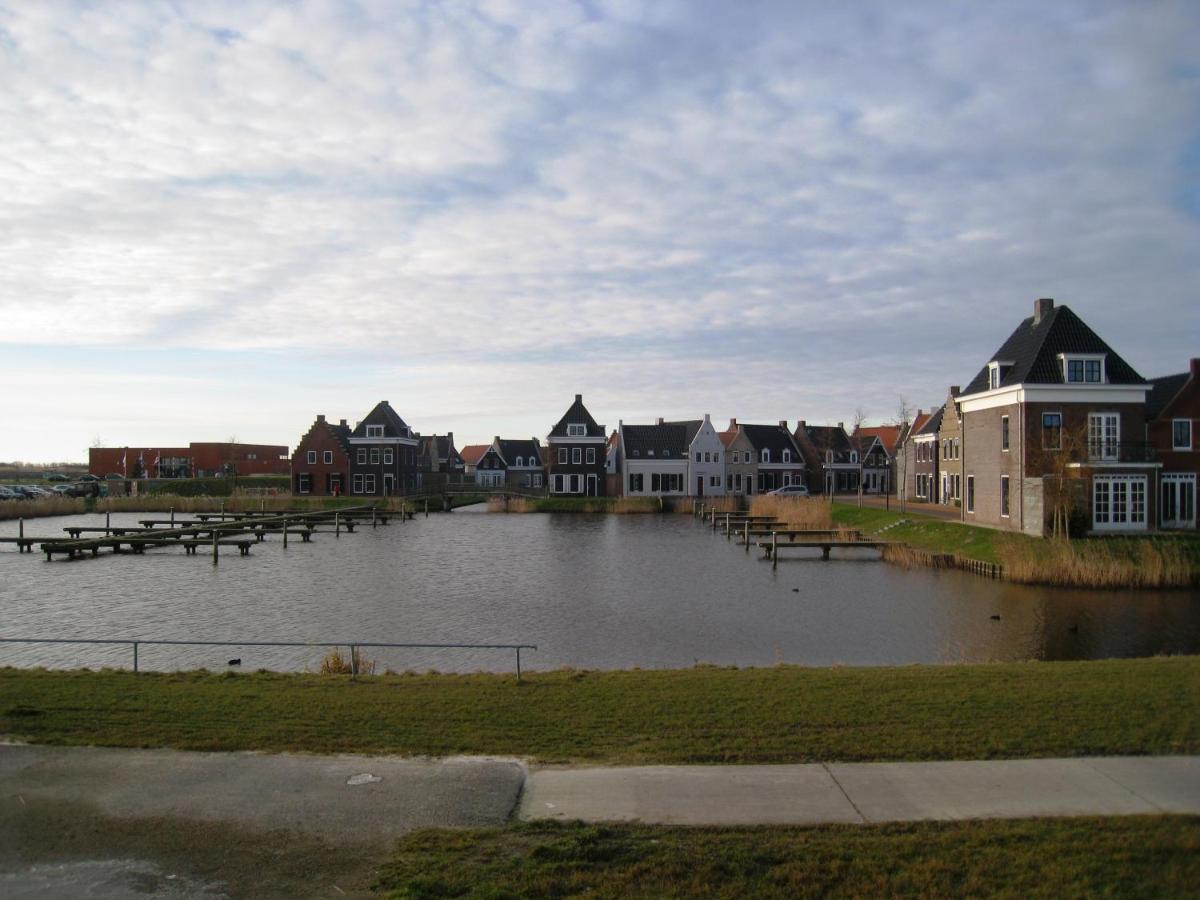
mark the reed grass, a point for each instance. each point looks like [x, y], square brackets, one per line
[799, 513]
[1101, 562]
[70, 506]
[618, 505]
[334, 663]
[43, 506]
[730, 503]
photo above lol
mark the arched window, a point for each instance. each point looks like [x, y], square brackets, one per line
[766, 455]
[520, 460]
[787, 456]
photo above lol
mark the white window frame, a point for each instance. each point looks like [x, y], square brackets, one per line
[1180, 485]
[357, 484]
[562, 458]
[303, 483]
[368, 484]
[387, 456]
[1065, 360]
[576, 430]
[1004, 434]
[1176, 423]
[787, 456]
[1104, 435]
[590, 456]
[312, 457]
[328, 457]
[374, 456]
[576, 484]
[766, 455]
[1005, 497]
[374, 431]
[537, 479]
[576, 456]
[362, 459]
[1125, 502]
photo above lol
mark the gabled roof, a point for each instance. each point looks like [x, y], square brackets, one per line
[665, 441]
[577, 415]
[691, 426]
[932, 422]
[771, 437]
[888, 436]
[1163, 391]
[727, 437]
[1033, 352]
[473, 453]
[530, 451]
[383, 414]
[828, 437]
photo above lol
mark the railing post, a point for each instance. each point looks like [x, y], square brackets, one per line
[353, 661]
[21, 527]
[107, 522]
[215, 546]
[747, 535]
[135, 659]
[172, 517]
[518, 665]
[372, 516]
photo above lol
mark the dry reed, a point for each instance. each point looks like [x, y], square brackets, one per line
[69, 506]
[1099, 563]
[798, 513]
[335, 663]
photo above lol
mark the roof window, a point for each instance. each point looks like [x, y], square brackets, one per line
[1078, 368]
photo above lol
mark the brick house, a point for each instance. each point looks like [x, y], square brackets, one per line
[741, 464]
[523, 463]
[321, 463]
[1054, 423]
[383, 454]
[921, 454]
[830, 460]
[200, 459]
[438, 462]
[1172, 416]
[950, 451]
[576, 454]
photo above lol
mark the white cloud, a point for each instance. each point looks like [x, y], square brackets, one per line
[487, 194]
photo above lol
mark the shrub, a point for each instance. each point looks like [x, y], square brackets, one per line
[335, 663]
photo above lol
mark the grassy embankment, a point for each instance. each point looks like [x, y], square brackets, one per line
[1111, 562]
[1148, 856]
[620, 505]
[699, 715]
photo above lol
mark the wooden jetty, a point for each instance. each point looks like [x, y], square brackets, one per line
[772, 547]
[207, 530]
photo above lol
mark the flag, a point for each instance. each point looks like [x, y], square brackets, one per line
[157, 460]
[124, 457]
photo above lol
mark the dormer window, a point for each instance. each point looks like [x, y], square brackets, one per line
[787, 456]
[766, 455]
[374, 431]
[853, 456]
[576, 430]
[829, 456]
[997, 371]
[520, 460]
[1083, 369]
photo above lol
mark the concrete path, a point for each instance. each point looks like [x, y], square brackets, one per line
[865, 792]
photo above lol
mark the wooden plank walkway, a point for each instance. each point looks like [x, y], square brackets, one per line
[771, 548]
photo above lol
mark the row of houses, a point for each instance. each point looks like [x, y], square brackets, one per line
[1054, 430]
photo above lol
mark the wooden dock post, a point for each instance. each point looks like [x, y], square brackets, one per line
[427, 507]
[107, 522]
[774, 551]
[372, 516]
[285, 525]
[726, 525]
[21, 527]
[172, 517]
[747, 535]
[337, 525]
[216, 546]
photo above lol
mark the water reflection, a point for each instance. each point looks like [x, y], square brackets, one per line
[591, 591]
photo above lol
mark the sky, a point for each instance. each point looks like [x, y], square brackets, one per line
[219, 220]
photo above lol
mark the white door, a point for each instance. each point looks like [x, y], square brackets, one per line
[1179, 500]
[1119, 502]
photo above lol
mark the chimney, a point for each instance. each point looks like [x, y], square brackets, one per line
[733, 424]
[801, 425]
[321, 419]
[449, 439]
[783, 424]
[343, 423]
[954, 389]
[1041, 309]
[496, 441]
[842, 425]
[658, 421]
[1194, 368]
[579, 398]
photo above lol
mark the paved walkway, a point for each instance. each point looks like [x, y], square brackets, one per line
[158, 823]
[857, 793]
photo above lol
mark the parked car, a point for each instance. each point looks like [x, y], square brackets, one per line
[64, 490]
[7, 493]
[89, 477]
[34, 491]
[790, 490]
[57, 476]
[113, 476]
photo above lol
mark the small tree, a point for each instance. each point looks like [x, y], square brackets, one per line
[1060, 467]
[903, 422]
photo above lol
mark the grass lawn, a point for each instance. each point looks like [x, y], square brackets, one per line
[698, 715]
[925, 532]
[1119, 857]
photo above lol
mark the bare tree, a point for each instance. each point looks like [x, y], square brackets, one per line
[903, 422]
[1058, 460]
[859, 417]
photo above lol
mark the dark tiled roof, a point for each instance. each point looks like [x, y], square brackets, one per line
[528, 450]
[773, 438]
[1033, 350]
[656, 441]
[577, 415]
[828, 437]
[383, 414]
[1163, 391]
[933, 423]
[691, 426]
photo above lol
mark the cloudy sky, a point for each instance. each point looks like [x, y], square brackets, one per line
[222, 220]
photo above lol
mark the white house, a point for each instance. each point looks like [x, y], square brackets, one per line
[706, 461]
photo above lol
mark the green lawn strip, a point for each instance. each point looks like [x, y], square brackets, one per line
[699, 715]
[1152, 856]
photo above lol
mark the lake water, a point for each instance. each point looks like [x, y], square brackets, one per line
[604, 592]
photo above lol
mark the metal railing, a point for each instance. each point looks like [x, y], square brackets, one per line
[353, 645]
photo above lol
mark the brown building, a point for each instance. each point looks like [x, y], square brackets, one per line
[1051, 433]
[321, 463]
[198, 460]
[1172, 417]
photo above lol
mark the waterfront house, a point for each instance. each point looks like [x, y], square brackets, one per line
[491, 469]
[741, 465]
[1053, 428]
[471, 454]
[321, 462]
[656, 458]
[778, 458]
[383, 457]
[1172, 417]
[706, 457]
[921, 453]
[876, 447]
[830, 460]
[576, 454]
[950, 443]
[523, 465]
[438, 461]
[612, 464]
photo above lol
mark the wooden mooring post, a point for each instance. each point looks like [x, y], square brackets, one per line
[172, 517]
[216, 546]
[285, 531]
[21, 528]
[337, 525]
[107, 522]
[774, 550]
